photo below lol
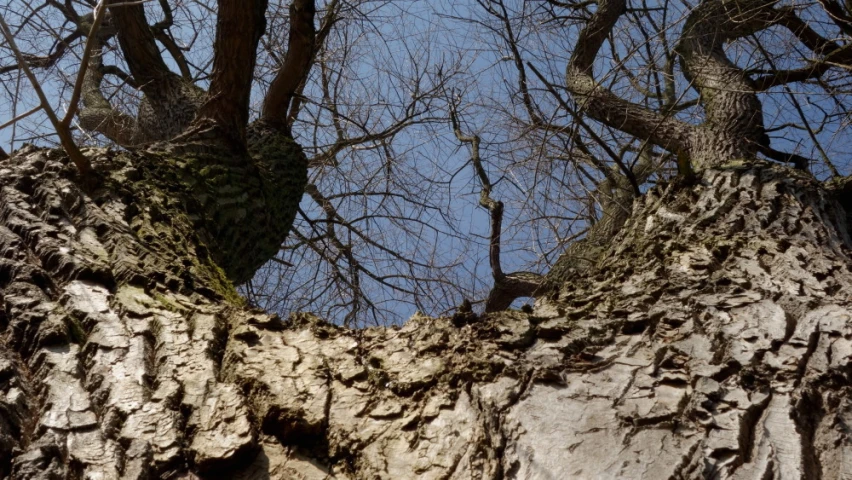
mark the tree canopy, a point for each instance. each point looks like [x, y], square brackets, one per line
[455, 149]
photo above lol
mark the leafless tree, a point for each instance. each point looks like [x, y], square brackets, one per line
[562, 157]
[608, 99]
[698, 321]
[372, 203]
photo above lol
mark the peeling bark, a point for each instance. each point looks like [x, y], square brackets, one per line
[710, 341]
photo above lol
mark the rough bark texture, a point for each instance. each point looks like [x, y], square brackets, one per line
[615, 195]
[712, 340]
[733, 125]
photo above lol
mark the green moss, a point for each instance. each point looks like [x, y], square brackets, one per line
[168, 304]
[209, 216]
[75, 330]
[220, 283]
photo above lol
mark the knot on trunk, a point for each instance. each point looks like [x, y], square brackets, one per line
[242, 205]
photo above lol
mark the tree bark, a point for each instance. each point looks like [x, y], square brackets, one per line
[712, 340]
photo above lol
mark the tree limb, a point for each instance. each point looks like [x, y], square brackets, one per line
[80, 161]
[139, 46]
[604, 106]
[297, 64]
[507, 288]
[91, 41]
[239, 27]
[50, 59]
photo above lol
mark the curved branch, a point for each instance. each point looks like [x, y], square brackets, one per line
[161, 33]
[296, 67]
[98, 115]
[507, 288]
[733, 124]
[329, 20]
[733, 127]
[92, 43]
[170, 102]
[512, 287]
[604, 106]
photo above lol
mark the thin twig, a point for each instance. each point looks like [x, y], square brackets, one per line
[20, 117]
[62, 130]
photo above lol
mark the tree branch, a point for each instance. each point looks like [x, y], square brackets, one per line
[783, 77]
[161, 33]
[239, 27]
[832, 51]
[296, 67]
[139, 46]
[330, 18]
[97, 113]
[91, 41]
[509, 287]
[604, 106]
[82, 163]
[50, 59]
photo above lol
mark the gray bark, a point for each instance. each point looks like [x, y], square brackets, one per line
[711, 340]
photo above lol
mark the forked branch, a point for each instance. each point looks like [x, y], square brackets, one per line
[81, 162]
[507, 287]
[297, 64]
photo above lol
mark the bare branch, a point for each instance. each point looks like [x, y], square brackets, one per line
[507, 288]
[82, 163]
[91, 41]
[239, 27]
[604, 106]
[138, 45]
[20, 117]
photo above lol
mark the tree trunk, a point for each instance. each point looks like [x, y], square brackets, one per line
[712, 340]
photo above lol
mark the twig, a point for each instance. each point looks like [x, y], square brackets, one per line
[20, 117]
[62, 130]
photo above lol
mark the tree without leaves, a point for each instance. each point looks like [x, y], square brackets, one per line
[707, 335]
[612, 135]
[358, 153]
